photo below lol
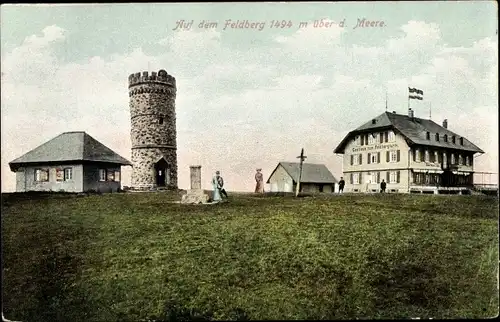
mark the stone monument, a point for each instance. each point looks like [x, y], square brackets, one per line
[195, 195]
[153, 130]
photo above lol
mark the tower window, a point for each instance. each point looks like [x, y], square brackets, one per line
[160, 120]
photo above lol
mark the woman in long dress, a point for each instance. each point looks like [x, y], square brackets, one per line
[215, 185]
[259, 179]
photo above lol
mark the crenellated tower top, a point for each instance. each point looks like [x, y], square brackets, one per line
[162, 77]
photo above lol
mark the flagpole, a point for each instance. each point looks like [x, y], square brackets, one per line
[386, 101]
[430, 110]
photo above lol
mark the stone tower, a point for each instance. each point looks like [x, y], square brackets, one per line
[153, 130]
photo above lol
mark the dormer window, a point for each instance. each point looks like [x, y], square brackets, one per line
[446, 138]
[437, 137]
[453, 139]
[461, 141]
[391, 136]
[372, 138]
[428, 135]
[374, 121]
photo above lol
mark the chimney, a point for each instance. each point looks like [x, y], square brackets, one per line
[410, 113]
[445, 123]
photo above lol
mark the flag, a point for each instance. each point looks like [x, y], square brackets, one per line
[415, 93]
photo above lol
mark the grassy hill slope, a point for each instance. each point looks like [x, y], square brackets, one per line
[134, 257]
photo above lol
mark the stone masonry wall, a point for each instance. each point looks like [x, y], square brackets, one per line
[195, 177]
[143, 175]
[153, 126]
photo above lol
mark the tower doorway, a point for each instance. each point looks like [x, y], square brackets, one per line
[162, 173]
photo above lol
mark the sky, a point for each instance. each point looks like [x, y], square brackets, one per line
[247, 98]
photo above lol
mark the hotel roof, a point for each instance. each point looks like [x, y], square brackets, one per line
[414, 130]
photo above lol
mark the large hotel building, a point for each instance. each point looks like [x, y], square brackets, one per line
[411, 154]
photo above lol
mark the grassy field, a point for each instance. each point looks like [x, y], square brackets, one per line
[139, 257]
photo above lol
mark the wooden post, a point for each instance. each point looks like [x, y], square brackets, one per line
[302, 157]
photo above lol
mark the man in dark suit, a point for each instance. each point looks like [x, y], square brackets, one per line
[341, 185]
[220, 184]
[383, 185]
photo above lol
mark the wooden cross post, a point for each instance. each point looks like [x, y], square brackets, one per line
[302, 157]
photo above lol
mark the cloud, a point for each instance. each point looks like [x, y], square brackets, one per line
[312, 38]
[34, 59]
[418, 36]
[238, 109]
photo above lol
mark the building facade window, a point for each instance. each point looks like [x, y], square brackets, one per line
[355, 178]
[102, 174]
[417, 178]
[373, 157]
[391, 136]
[110, 175]
[393, 177]
[453, 158]
[436, 157]
[427, 156]
[461, 141]
[460, 160]
[41, 175]
[428, 135]
[445, 138]
[467, 160]
[369, 177]
[453, 139]
[59, 175]
[393, 156]
[445, 158]
[437, 137]
[357, 140]
[68, 174]
[117, 176]
[417, 155]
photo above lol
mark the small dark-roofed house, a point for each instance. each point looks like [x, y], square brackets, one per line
[72, 162]
[315, 178]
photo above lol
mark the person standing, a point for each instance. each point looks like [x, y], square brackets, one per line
[383, 185]
[215, 185]
[220, 184]
[341, 185]
[259, 179]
